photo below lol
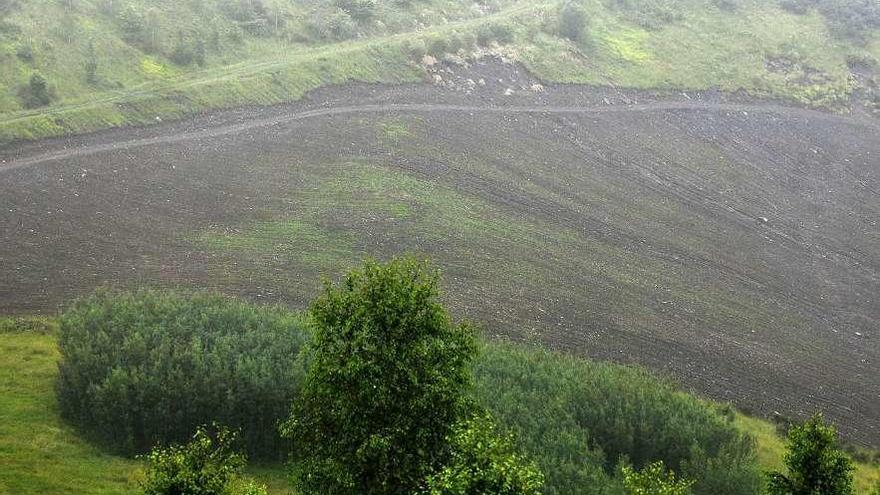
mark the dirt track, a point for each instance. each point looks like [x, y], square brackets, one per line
[624, 226]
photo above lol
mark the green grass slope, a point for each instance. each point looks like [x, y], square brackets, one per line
[126, 62]
[41, 454]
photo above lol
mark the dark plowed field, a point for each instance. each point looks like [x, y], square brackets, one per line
[732, 245]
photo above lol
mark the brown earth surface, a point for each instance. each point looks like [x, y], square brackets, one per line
[731, 244]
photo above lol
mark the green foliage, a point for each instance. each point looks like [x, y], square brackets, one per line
[37, 93]
[91, 64]
[652, 14]
[360, 10]
[25, 52]
[654, 479]
[577, 418]
[495, 32]
[385, 386]
[815, 463]
[572, 21]
[484, 461]
[207, 465]
[204, 466]
[335, 24]
[6, 6]
[188, 50]
[876, 490]
[147, 367]
[141, 27]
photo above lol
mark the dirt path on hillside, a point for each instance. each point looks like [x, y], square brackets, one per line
[172, 136]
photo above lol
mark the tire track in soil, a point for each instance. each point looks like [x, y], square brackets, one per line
[225, 130]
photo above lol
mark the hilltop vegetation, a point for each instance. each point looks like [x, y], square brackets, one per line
[78, 65]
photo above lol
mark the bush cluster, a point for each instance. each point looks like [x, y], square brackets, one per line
[572, 21]
[206, 465]
[579, 418]
[37, 92]
[147, 367]
[484, 460]
[654, 479]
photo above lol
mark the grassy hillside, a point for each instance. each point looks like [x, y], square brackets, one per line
[81, 65]
[40, 454]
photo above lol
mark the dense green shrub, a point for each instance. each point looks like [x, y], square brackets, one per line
[141, 27]
[333, 24]
[494, 32]
[25, 52]
[37, 93]
[484, 461]
[572, 21]
[654, 479]
[147, 367]
[206, 465]
[815, 463]
[387, 382]
[577, 418]
[188, 50]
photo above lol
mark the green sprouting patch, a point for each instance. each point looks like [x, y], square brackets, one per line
[29, 324]
[284, 241]
[154, 68]
[392, 132]
[628, 44]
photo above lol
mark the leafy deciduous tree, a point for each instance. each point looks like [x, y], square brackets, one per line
[816, 466]
[385, 387]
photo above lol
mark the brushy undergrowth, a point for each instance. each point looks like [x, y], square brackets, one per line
[580, 419]
[147, 367]
[143, 367]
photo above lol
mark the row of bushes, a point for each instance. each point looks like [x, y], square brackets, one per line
[147, 367]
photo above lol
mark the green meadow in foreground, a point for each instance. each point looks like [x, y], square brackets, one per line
[39, 453]
[81, 65]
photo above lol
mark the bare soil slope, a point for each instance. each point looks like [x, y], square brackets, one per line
[734, 245]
